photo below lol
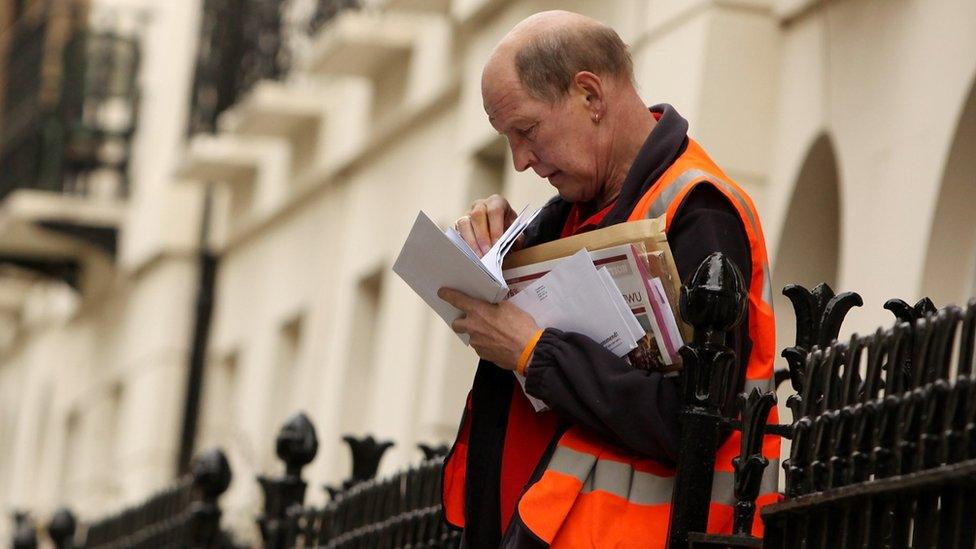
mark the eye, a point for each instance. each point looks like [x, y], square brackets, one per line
[529, 131]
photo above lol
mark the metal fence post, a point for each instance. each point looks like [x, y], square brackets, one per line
[61, 529]
[25, 533]
[296, 446]
[713, 303]
[211, 477]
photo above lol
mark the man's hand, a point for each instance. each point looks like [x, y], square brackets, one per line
[485, 222]
[498, 332]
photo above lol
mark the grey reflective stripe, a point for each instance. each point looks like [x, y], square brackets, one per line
[723, 488]
[571, 462]
[770, 478]
[649, 489]
[661, 203]
[695, 175]
[761, 384]
[767, 294]
[609, 476]
[668, 195]
[641, 488]
[723, 484]
[624, 482]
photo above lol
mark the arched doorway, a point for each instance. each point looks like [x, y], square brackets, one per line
[808, 248]
[949, 274]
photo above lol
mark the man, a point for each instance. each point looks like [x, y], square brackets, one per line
[597, 469]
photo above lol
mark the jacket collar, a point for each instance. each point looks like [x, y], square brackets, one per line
[663, 145]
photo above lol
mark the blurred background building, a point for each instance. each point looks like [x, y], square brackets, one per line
[201, 200]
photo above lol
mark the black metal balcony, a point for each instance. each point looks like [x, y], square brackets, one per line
[69, 115]
[97, 111]
[83, 137]
[243, 42]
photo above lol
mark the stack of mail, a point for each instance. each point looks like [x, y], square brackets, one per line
[576, 297]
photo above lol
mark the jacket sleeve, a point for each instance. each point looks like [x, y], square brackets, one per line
[593, 388]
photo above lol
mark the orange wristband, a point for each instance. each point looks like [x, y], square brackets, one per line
[523, 361]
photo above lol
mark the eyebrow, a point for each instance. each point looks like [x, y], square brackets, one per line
[516, 120]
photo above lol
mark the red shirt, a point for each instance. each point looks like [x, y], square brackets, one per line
[528, 432]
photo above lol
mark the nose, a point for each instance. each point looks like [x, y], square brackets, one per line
[522, 157]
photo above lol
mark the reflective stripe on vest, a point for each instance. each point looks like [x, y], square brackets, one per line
[619, 479]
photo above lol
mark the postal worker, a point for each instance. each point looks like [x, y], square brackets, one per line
[597, 468]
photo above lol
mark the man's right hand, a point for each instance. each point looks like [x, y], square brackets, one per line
[485, 222]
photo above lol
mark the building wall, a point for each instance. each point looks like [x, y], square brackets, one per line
[851, 124]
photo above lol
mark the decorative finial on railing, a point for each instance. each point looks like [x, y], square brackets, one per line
[296, 445]
[909, 314]
[713, 302]
[366, 455]
[61, 529]
[332, 490]
[819, 315]
[750, 464]
[211, 478]
[25, 533]
[431, 451]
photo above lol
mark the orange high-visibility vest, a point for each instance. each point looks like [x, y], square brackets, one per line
[593, 494]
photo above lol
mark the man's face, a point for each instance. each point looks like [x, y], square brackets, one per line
[558, 141]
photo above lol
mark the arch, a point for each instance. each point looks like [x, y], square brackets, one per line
[949, 273]
[808, 249]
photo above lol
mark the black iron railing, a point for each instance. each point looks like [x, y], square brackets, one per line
[184, 515]
[403, 510]
[883, 446]
[884, 451]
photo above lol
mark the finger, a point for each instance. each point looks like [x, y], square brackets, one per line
[510, 214]
[497, 216]
[458, 299]
[467, 233]
[479, 224]
[459, 326]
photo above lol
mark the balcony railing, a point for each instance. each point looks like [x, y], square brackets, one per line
[243, 42]
[79, 143]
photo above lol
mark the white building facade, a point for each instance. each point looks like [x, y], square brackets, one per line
[851, 123]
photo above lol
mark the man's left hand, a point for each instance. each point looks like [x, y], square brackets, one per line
[498, 332]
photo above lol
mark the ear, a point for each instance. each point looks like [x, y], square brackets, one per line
[592, 92]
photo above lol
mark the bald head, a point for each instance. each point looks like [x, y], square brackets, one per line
[546, 50]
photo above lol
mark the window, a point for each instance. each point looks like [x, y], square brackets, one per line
[358, 384]
[219, 400]
[70, 455]
[285, 371]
